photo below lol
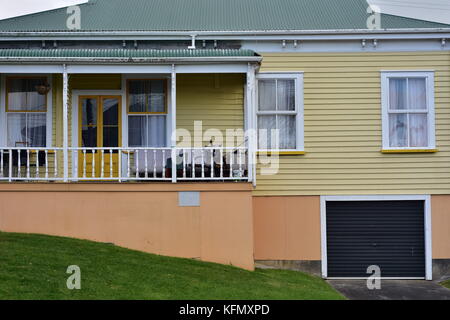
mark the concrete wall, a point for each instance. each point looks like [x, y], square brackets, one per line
[144, 217]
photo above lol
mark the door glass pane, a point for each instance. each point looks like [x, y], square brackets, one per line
[137, 95]
[89, 137]
[286, 95]
[89, 111]
[267, 95]
[23, 95]
[16, 130]
[157, 97]
[418, 130]
[287, 132]
[265, 126]
[111, 112]
[398, 131]
[36, 130]
[110, 136]
[397, 94]
[417, 94]
[137, 133]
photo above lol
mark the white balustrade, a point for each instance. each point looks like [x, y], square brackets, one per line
[125, 164]
[29, 164]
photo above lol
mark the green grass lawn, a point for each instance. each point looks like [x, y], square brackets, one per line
[34, 267]
[446, 284]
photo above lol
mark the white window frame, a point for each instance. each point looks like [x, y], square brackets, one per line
[429, 78]
[3, 113]
[299, 106]
[125, 78]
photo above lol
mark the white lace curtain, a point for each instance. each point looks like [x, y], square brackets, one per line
[25, 128]
[147, 131]
[276, 130]
[408, 113]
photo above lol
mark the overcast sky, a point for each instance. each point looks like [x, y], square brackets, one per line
[433, 10]
[12, 8]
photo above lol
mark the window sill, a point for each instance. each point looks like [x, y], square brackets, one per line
[282, 153]
[409, 151]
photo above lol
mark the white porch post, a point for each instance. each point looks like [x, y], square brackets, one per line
[65, 123]
[173, 118]
[251, 123]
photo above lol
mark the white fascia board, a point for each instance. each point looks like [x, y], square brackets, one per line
[346, 46]
[23, 69]
[348, 34]
[158, 69]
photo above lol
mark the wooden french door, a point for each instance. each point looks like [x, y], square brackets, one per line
[99, 126]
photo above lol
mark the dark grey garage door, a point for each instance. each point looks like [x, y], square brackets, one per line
[389, 234]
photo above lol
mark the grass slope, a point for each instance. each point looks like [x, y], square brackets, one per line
[34, 267]
[446, 284]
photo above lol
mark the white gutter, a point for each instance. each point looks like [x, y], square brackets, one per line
[345, 34]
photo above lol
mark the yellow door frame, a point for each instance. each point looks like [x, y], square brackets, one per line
[100, 126]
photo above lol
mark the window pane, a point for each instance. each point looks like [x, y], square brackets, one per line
[156, 131]
[417, 93]
[267, 95]
[89, 137]
[36, 130]
[286, 95]
[265, 126]
[137, 133]
[110, 112]
[287, 132]
[23, 95]
[16, 130]
[137, 95]
[157, 96]
[418, 128]
[398, 132]
[89, 111]
[397, 94]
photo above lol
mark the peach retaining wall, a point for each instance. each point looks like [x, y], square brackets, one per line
[144, 217]
[440, 221]
[287, 228]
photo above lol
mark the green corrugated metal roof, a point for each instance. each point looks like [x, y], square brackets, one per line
[123, 53]
[213, 15]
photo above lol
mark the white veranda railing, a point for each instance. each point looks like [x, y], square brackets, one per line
[125, 164]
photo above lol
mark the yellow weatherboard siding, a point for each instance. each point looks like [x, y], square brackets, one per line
[215, 99]
[95, 82]
[342, 98]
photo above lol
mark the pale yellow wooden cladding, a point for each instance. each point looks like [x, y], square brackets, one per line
[215, 99]
[343, 128]
[95, 81]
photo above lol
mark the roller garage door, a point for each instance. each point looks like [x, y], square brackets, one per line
[389, 234]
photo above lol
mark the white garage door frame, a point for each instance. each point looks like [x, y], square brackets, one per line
[427, 220]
